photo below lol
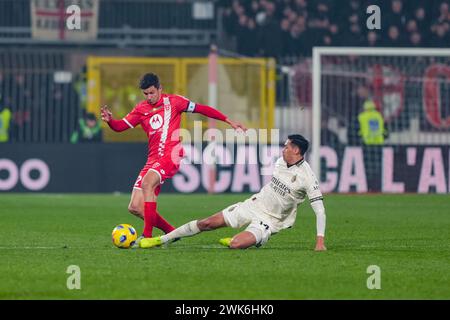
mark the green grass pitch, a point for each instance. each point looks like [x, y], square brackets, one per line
[407, 236]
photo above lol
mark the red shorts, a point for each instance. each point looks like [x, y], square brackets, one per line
[165, 168]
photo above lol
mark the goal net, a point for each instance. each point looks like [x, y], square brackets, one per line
[381, 119]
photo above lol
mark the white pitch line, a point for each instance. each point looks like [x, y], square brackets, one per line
[27, 248]
[163, 248]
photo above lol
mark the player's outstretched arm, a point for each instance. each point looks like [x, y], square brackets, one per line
[236, 125]
[116, 125]
[216, 114]
[319, 210]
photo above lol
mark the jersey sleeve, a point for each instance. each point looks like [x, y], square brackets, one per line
[183, 104]
[133, 119]
[313, 189]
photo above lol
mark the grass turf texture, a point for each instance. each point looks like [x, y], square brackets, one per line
[405, 235]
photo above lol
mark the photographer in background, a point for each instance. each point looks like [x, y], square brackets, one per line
[89, 130]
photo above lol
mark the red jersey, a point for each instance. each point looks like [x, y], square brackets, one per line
[161, 123]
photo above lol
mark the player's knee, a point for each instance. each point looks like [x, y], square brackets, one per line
[205, 224]
[134, 209]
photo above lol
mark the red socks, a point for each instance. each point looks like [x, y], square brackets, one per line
[162, 224]
[153, 219]
[149, 218]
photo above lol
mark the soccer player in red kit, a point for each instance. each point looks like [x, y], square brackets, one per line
[159, 116]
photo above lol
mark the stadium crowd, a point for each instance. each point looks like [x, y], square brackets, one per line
[31, 98]
[280, 28]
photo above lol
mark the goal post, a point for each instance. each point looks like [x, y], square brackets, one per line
[243, 88]
[410, 88]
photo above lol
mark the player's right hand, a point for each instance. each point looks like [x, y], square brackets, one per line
[236, 125]
[105, 113]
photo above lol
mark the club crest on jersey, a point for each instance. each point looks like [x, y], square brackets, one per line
[294, 178]
[156, 121]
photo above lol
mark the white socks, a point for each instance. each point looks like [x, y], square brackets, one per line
[186, 230]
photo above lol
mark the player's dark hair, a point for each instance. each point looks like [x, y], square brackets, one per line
[300, 142]
[148, 80]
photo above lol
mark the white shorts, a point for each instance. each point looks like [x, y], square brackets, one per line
[245, 213]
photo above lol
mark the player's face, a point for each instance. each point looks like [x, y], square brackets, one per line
[152, 94]
[290, 151]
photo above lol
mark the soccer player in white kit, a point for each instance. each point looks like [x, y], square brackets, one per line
[271, 210]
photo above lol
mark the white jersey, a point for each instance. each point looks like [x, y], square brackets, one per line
[278, 200]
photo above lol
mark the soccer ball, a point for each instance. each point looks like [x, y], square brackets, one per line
[124, 236]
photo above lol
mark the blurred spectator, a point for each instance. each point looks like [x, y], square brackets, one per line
[271, 33]
[372, 132]
[329, 136]
[444, 13]
[352, 14]
[241, 31]
[21, 99]
[421, 19]
[5, 120]
[440, 26]
[298, 41]
[373, 39]
[89, 130]
[395, 15]
[440, 36]
[4, 99]
[415, 40]
[371, 124]
[328, 23]
[262, 14]
[290, 15]
[80, 86]
[254, 9]
[248, 40]
[394, 38]
[300, 7]
[320, 19]
[411, 26]
[285, 27]
[318, 25]
[229, 20]
[353, 36]
[232, 20]
[335, 35]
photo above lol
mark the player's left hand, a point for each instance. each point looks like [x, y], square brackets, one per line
[236, 125]
[320, 246]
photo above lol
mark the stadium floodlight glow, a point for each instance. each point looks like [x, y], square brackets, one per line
[317, 70]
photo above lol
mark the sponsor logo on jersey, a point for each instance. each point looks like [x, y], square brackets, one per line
[279, 187]
[156, 121]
